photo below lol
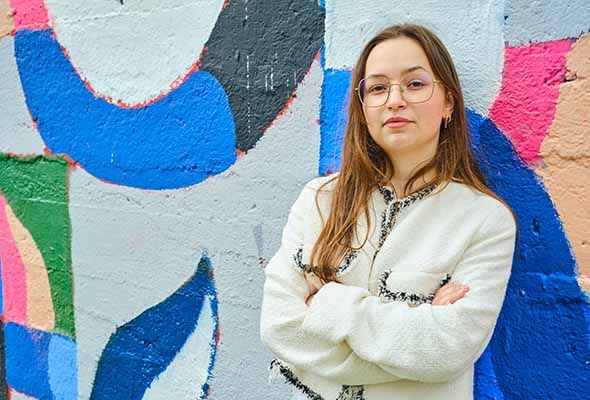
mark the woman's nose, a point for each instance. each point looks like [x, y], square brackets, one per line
[396, 98]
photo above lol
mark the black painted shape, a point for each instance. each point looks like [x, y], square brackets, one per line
[3, 385]
[278, 38]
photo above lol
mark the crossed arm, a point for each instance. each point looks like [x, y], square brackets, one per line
[347, 335]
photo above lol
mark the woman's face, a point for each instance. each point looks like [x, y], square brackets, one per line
[419, 138]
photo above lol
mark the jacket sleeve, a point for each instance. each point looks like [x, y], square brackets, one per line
[283, 311]
[425, 343]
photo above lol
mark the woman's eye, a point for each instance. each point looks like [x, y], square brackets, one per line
[376, 89]
[415, 85]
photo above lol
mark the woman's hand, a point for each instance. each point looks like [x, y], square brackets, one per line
[449, 293]
[314, 284]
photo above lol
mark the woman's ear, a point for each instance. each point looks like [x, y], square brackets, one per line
[449, 103]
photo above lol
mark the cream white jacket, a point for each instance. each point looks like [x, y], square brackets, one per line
[375, 335]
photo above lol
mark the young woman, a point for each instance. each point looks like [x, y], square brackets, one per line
[391, 273]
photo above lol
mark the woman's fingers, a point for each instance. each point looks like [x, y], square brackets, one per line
[449, 293]
[309, 298]
[313, 282]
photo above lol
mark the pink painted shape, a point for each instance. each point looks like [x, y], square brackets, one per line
[29, 14]
[14, 286]
[525, 106]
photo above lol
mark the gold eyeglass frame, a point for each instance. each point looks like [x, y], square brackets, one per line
[357, 90]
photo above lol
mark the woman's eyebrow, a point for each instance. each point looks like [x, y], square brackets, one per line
[405, 71]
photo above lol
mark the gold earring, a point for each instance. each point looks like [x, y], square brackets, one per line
[447, 120]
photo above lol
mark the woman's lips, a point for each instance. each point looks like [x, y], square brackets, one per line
[397, 124]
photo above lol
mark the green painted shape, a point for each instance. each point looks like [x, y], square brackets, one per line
[36, 189]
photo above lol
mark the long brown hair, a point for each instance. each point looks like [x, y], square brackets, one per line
[365, 165]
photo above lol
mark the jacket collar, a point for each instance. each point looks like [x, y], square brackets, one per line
[389, 195]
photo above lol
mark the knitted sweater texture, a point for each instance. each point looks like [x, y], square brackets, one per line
[375, 335]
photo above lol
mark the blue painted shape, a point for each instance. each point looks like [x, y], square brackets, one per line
[213, 347]
[26, 360]
[139, 351]
[587, 317]
[62, 368]
[540, 346]
[333, 115]
[485, 381]
[29, 360]
[177, 141]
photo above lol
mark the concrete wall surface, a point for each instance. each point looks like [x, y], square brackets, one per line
[150, 151]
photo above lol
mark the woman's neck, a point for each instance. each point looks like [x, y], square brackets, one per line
[407, 163]
[400, 180]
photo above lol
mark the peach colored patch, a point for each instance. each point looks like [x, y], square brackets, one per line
[6, 24]
[525, 106]
[14, 296]
[29, 14]
[584, 282]
[39, 304]
[566, 157]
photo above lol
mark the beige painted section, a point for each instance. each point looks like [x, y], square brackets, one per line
[40, 313]
[566, 157]
[6, 24]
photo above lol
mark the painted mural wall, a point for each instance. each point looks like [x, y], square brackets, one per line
[150, 151]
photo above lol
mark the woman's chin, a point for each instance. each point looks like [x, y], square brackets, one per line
[399, 139]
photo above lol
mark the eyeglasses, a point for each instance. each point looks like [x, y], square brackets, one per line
[416, 87]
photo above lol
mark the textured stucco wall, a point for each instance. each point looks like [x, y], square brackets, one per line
[149, 154]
